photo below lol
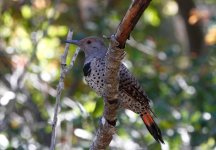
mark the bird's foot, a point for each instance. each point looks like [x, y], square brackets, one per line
[113, 41]
[114, 47]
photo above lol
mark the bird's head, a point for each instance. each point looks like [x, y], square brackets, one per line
[91, 46]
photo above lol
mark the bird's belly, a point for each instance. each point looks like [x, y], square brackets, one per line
[94, 75]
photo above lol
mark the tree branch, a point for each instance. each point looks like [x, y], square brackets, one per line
[130, 20]
[113, 61]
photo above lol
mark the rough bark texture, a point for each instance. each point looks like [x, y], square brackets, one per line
[113, 60]
[194, 31]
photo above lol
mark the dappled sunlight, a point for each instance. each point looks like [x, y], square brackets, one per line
[197, 15]
[184, 136]
[41, 4]
[4, 141]
[125, 144]
[83, 134]
[206, 116]
[176, 114]
[171, 8]
[132, 116]
[210, 37]
[180, 83]
[194, 17]
[165, 146]
[5, 99]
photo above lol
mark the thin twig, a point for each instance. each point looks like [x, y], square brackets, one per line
[141, 47]
[64, 70]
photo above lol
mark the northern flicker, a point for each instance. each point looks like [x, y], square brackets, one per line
[131, 94]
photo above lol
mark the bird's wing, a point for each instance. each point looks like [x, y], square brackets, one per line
[129, 84]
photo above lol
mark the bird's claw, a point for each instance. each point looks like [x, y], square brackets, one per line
[114, 47]
[113, 41]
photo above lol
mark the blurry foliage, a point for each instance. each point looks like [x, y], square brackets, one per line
[182, 88]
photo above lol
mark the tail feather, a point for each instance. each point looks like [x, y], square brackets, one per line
[152, 127]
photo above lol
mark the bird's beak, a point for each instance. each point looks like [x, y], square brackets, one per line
[75, 42]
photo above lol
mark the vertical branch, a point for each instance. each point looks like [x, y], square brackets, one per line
[64, 70]
[113, 61]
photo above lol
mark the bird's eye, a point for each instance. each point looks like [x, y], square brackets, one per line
[88, 42]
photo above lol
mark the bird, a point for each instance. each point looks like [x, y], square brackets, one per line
[131, 94]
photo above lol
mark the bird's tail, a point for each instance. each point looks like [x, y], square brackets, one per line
[152, 126]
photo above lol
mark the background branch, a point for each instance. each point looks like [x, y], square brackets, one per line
[194, 30]
[113, 60]
[60, 87]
